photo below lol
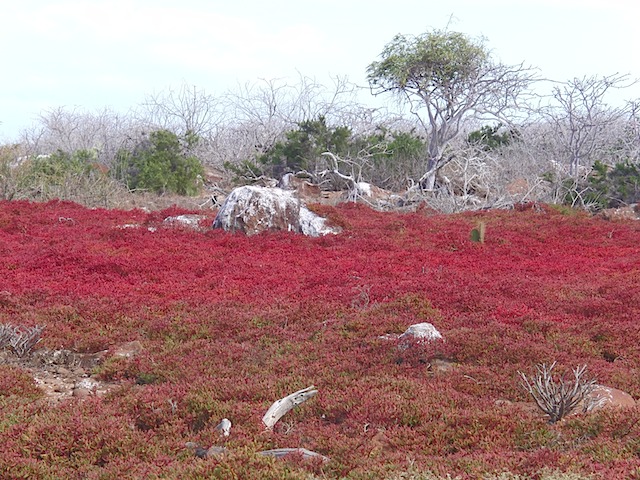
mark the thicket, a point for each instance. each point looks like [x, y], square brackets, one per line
[387, 158]
[160, 162]
[75, 176]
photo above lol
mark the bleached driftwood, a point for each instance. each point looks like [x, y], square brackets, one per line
[282, 406]
[283, 452]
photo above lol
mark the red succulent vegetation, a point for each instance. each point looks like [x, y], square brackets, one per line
[229, 323]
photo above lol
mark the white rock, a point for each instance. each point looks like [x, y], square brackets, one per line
[252, 209]
[364, 189]
[190, 221]
[314, 225]
[421, 331]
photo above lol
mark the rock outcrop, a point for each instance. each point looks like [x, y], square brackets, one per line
[252, 210]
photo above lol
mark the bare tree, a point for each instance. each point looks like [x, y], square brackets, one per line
[625, 135]
[187, 110]
[69, 130]
[579, 118]
[258, 114]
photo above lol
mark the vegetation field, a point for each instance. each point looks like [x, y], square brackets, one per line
[228, 324]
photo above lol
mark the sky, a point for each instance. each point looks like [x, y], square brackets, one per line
[97, 54]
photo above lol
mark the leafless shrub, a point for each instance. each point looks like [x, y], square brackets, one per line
[7, 332]
[20, 339]
[362, 298]
[557, 397]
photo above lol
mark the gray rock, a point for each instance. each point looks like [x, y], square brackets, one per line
[252, 210]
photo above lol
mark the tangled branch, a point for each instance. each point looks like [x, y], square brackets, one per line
[557, 398]
[20, 339]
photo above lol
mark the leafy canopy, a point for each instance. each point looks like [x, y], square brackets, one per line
[444, 64]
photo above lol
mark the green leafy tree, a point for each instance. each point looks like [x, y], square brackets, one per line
[445, 77]
[161, 163]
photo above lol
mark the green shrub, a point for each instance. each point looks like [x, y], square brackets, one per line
[605, 187]
[161, 163]
[615, 186]
[488, 137]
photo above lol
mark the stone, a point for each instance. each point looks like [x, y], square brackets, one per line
[303, 189]
[186, 221]
[607, 397]
[253, 210]
[128, 350]
[314, 225]
[418, 333]
[421, 331]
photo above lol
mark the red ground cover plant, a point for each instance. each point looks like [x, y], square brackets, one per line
[230, 323]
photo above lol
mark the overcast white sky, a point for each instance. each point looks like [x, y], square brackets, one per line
[93, 54]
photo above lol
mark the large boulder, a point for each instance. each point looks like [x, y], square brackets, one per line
[252, 210]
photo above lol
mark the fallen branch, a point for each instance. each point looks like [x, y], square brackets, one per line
[282, 406]
[283, 452]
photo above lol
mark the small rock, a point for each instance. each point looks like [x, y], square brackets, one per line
[607, 397]
[128, 350]
[188, 221]
[63, 371]
[419, 332]
[224, 427]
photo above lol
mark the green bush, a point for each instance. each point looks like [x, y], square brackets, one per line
[161, 163]
[303, 147]
[617, 185]
[488, 137]
[605, 187]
